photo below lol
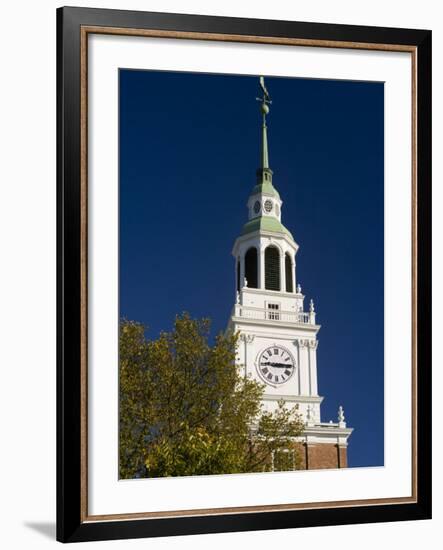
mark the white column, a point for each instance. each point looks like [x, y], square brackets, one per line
[293, 273]
[304, 367]
[282, 272]
[313, 366]
[247, 339]
[261, 267]
[242, 271]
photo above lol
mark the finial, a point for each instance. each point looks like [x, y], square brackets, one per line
[264, 109]
[245, 283]
[299, 288]
[266, 99]
[311, 306]
[341, 417]
[237, 298]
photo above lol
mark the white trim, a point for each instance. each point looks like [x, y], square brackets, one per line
[264, 292]
[264, 233]
[295, 398]
[282, 324]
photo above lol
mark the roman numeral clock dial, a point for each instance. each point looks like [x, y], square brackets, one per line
[275, 365]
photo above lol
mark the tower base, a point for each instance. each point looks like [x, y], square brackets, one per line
[321, 456]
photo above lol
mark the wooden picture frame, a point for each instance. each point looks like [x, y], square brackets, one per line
[74, 523]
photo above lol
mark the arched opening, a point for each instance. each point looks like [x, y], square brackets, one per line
[238, 274]
[272, 268]
[251, 267]
[288, 273]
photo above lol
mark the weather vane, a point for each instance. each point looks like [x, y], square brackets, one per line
[266, 99]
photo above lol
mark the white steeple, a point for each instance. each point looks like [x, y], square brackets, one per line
[278, 338]
[266, 265]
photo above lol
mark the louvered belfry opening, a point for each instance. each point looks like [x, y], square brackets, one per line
[272, 268]
[251, 267]
[288, 273]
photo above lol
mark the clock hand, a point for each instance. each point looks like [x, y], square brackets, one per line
[277, 365]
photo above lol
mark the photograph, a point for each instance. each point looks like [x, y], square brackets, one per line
[251, 274]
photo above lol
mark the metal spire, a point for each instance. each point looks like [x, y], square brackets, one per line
[264, 107]
[265, 101]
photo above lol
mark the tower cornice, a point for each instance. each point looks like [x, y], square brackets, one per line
[262, 234]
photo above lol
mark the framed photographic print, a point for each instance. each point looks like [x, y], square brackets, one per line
[244, 282]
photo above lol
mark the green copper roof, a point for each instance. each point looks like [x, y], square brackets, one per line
[266, 188]
[265, 223]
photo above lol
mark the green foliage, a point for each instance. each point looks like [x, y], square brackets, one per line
[187, 409]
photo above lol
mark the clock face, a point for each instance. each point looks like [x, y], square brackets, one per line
[275, 365]
[268, 205]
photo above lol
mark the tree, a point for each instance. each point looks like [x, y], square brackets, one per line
[186, 408]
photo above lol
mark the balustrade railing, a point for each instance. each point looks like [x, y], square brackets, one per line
[249, 312]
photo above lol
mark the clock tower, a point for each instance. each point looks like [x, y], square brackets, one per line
[278, 338]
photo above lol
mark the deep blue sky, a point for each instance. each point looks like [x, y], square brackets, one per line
[189, 148]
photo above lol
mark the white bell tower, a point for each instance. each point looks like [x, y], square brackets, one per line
[278, 338]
